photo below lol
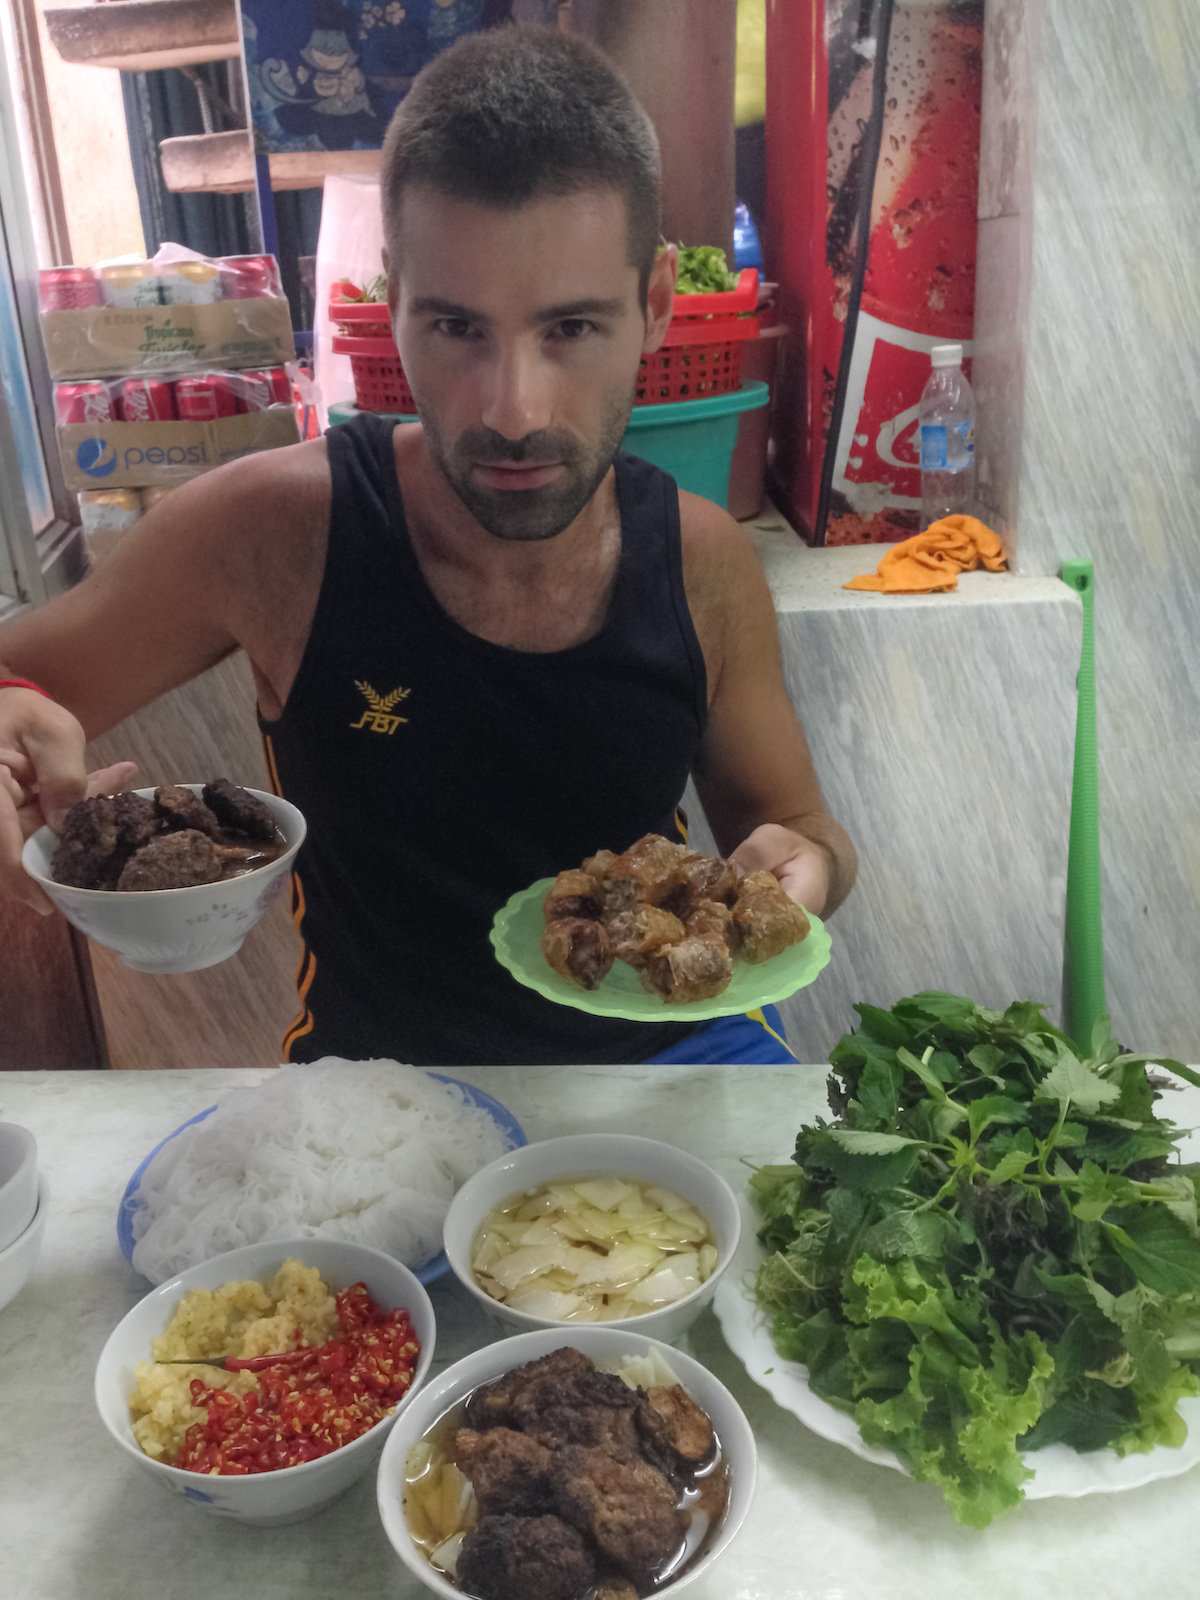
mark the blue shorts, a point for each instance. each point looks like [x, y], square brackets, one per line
[755, 1036]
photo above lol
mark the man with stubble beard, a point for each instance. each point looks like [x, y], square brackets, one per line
[486, 646]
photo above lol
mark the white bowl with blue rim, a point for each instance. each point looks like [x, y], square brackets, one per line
[264, 1499]
[607, 1345]
[172, 930]
[427, 1272]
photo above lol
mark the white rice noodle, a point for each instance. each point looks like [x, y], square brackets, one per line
[370, 1152]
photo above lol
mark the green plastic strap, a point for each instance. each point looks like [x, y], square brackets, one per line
[1084, 1003]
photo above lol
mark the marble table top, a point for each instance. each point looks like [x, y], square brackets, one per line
[78, 1522]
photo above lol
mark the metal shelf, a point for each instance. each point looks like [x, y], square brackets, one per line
[145, 35]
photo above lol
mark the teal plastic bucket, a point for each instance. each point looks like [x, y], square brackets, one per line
[693, 440]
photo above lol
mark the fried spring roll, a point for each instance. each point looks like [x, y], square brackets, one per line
[575, 893]
[767, 922]
[578, 949]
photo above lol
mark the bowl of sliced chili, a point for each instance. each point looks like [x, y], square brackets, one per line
[331, 1340]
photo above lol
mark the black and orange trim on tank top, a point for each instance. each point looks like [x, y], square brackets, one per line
[305, 1021]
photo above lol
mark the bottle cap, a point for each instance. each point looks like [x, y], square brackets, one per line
[946, 355]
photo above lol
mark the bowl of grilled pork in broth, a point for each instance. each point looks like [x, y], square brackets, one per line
[173, 878]
[583, 1464]
[594, 1228]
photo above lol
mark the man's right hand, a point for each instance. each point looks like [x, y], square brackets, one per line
[42, 774]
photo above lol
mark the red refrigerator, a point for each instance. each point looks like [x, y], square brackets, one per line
[872, 133]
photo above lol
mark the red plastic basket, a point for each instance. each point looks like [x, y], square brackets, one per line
[364, 333]
[702, 352]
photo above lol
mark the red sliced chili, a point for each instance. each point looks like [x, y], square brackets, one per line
[309, 1401]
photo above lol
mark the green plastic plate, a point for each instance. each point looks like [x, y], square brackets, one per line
[516, 938]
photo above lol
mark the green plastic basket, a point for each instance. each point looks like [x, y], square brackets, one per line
[693, 440]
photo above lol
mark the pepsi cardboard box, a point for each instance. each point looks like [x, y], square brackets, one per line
[135, 455]
[107, 342]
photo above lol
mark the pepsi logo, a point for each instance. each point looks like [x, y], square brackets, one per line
[96, 457]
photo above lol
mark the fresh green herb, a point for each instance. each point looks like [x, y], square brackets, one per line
[703, 269]
[992, 1247]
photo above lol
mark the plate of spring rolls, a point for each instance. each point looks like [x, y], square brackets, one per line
[659, 933]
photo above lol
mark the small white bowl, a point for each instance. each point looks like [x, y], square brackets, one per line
[171, 930]
[603, 1343]
[269, 1498]
[596, 1155]
[19, 1259]
[18, 1181]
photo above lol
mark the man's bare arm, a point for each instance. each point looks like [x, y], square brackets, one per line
[755, 773]
[178, 594]
[233, 558]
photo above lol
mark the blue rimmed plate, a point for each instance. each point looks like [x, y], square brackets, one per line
[428, 1272]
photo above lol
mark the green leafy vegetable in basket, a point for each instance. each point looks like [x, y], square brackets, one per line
[991, 1248]
[703, 269]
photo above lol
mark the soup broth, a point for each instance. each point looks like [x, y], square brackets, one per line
[593, 1249]
[441, 1509]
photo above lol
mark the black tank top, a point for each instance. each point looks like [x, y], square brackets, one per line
[440, 773]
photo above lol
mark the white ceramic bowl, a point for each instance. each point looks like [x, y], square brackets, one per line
[171, 930]
[19, 1259]
[268, 1498]
[596, 1155]
[604, 1343]
[18, 1181]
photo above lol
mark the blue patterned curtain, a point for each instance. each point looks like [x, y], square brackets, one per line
[328, 74]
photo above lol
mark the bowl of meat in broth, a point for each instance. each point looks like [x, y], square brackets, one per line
[173, 878]
[582, 1464]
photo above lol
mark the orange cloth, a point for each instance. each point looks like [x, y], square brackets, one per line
[930, 562]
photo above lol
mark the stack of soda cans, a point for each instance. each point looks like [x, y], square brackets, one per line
[144, 397]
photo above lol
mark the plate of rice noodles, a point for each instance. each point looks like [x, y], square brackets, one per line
[367, 1151]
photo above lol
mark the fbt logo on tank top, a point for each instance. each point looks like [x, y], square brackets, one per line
[380, 715]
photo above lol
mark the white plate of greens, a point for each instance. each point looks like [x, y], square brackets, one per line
[986, 1274]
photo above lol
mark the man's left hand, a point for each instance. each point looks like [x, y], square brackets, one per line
[804, 869]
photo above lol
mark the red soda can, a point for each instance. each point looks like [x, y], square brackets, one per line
[205, 397]
[82, 402]
[147, 400]
[249, 277]
[281, 385]
[253, 390]
[263, 387]
[68, 289]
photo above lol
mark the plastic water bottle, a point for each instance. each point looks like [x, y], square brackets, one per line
[947, 413]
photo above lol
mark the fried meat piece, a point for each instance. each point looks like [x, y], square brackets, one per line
[98, 838]
[172, 861]
[509, 1471]
[525, 1558]
[628, 1509]
[237, 809]
[679, 1422]
[491, 1405]
[597, 866]
[574, 894]
[579, 950]
[641, 932]
[180, 808]
[586, 1407]
[616, 1589]
[647, 872]
[713, 921]
[705, 878]
[767, 920]
[694, 969]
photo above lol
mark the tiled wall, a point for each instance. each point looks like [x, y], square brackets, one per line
[1088, 328]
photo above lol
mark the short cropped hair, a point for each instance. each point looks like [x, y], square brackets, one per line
[514, 113]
